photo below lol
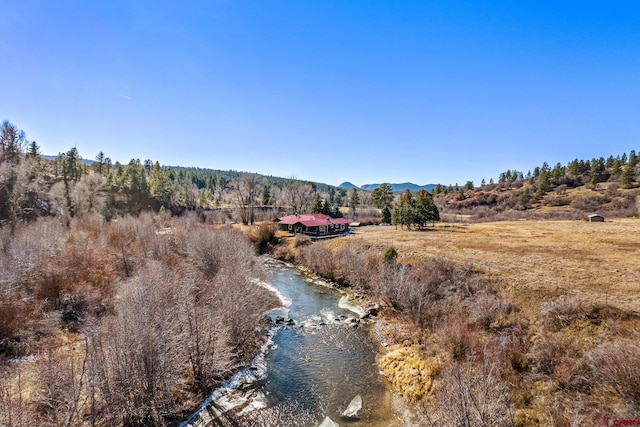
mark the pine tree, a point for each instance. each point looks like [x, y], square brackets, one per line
[627, 176]
[385, 216]
[34, 150]
[316, 204]
[382, 196]
[633, 158]
[160, 186]
[353, 202]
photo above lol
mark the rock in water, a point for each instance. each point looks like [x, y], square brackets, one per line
[328, 422]
[354, 407]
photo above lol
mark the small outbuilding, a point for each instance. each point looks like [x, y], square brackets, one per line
[596, 218]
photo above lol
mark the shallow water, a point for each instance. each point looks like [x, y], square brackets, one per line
[322, 367]
[314, 367]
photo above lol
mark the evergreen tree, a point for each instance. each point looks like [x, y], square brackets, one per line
[266, 195]
[628, 175]
[72, 170]
[98, 165]
[382, 196]
[616, 168]
[316, 204]
[34, 150]
[424, 210]
[353, 202]
[385, 215]
[403, 212]
[543, 182]
[135, 182]
[160, 186]
[12, 142]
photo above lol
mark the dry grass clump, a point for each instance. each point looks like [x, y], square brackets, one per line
[410, 373]
[264, 236]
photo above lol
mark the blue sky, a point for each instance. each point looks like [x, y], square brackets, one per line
[329, 91]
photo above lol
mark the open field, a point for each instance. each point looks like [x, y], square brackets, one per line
[530, 261]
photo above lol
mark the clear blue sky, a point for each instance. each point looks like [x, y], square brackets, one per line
[330, 91]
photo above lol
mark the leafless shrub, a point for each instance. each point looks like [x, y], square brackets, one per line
[471, 393]
[225, 269]
[300, 240]
[589, 203]
[369, 216]
[556, 200]
[217, 216]
[515, 347]
[489, 311]
[319, 258]
[612, 190]
[13, 410]
[549, 350]
[209, 248]
[30, 246]
[617, 366]
[562, 311]
[60, 387]
[137, 353]
[460, 338]
[563, 411]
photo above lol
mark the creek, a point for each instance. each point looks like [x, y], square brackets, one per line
[313, 367]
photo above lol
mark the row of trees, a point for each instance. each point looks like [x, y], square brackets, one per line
[415, 211]
[621, 169]
[67, 186]
[545, 185]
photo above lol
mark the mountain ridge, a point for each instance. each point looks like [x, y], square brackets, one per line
[396, 188]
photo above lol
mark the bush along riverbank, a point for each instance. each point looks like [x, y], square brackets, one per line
[457, 352]
[129, 322]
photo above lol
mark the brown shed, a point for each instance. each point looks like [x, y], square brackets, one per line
[596, 218]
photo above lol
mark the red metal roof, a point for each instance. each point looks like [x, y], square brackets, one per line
[314, 220]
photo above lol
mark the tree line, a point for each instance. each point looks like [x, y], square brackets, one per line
[67, 186]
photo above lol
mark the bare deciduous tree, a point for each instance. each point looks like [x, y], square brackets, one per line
[298, 195]
[246, 191]
[87, 194]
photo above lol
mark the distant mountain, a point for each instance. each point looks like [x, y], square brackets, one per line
[347, 185]
[399, 188]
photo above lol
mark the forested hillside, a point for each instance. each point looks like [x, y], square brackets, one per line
[68, 186]
[609, 186]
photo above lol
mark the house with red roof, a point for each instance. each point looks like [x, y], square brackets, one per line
[315, 225]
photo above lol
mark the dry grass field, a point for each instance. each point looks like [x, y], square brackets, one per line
[565, 354]
[530, 261]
